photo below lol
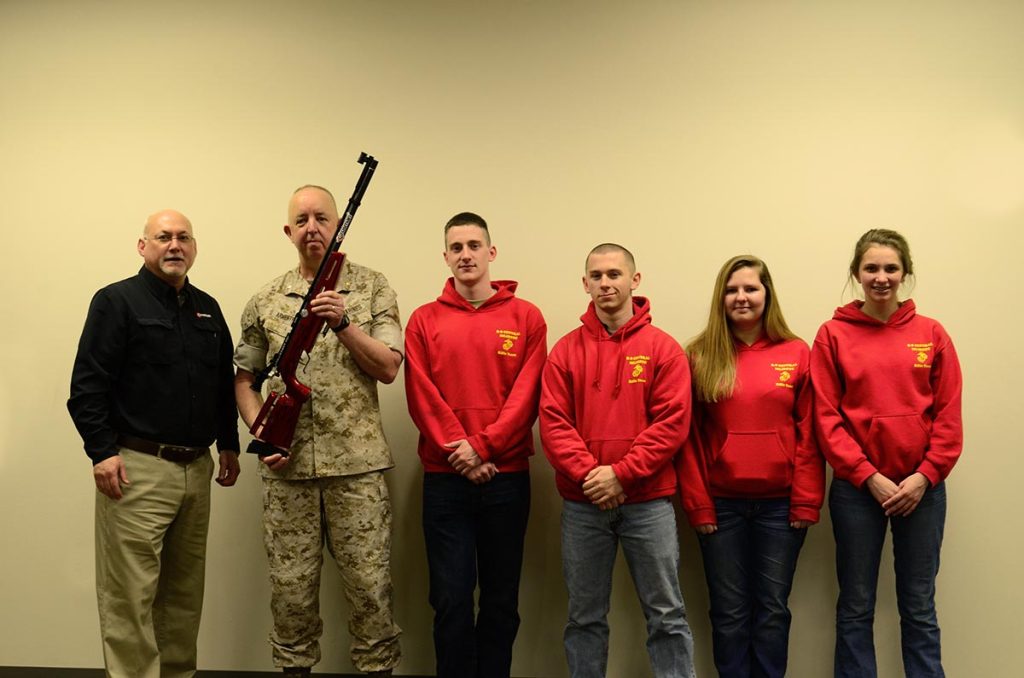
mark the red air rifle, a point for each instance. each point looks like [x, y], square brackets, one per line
[274, 426]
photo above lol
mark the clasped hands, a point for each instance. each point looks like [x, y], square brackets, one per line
[901, 499]
[602, 487]
[466, 461]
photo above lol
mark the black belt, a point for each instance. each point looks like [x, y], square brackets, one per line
[176, 453]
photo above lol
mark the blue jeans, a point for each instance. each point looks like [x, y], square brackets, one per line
[749, 564]
[859, 525]
[590, 541]
[467, 526]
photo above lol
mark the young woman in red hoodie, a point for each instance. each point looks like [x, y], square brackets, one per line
[887, 411]
[751, 476]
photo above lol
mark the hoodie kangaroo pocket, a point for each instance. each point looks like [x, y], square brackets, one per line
[896, 444]
[753, 463]
[609, 451]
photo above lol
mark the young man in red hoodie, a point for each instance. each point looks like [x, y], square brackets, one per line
[614, 411]
[472, 378]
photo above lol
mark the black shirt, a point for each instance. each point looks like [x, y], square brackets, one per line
[156, 364]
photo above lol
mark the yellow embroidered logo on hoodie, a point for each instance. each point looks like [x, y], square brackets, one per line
[785, 371]
[922, 354]
[636, 376]
[508, 342]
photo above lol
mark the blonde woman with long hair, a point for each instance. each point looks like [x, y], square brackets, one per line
[751, 477]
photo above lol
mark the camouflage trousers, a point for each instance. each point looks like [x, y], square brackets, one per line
[352, 515]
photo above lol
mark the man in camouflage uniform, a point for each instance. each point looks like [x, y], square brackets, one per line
[330, 487]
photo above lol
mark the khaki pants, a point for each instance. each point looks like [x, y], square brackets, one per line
[150, 564]
[352, 514]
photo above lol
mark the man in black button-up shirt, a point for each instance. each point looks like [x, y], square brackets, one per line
[151, 390]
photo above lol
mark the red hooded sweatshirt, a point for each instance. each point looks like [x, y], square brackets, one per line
[619, 399]
[887, 395]
[474, 373]
[758, 443]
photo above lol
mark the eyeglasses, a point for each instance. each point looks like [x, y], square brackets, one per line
[167, 239]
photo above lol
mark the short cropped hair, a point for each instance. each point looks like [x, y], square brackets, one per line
[467, 219]
[606, 247]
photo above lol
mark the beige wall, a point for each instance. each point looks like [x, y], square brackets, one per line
[689, 131]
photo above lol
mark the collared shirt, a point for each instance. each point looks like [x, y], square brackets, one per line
[156, 364]
[339, 431]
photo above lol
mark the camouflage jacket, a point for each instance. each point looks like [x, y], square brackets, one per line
[339, 432]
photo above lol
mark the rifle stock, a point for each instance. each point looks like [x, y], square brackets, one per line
[274, 427]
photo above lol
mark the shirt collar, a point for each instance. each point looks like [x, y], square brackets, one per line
[161, 289]
[294, 283]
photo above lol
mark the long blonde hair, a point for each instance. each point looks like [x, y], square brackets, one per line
[713, 352]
